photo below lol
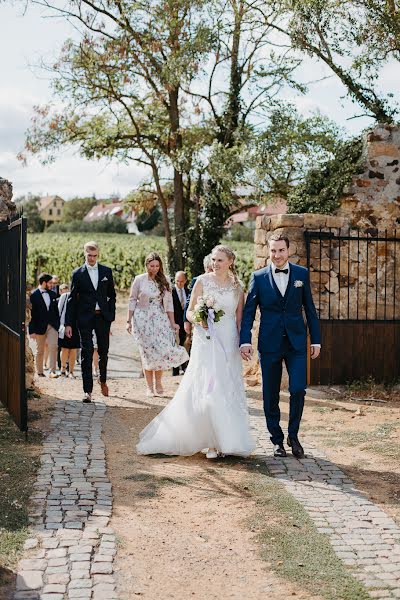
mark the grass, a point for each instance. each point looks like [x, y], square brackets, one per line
[18, 465]
[292, 546]
[378, 441]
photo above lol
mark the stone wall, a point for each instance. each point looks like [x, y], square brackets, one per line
[353, 278]
[373, 198]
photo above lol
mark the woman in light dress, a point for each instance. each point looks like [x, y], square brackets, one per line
[151, 317]
[209, 409]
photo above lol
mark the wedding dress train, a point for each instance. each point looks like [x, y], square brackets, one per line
[209, 409]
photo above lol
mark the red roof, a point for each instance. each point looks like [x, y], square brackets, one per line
[101, 211]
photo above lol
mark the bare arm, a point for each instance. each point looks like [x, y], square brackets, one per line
[239, 310]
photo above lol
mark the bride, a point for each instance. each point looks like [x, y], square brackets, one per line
[209, 409]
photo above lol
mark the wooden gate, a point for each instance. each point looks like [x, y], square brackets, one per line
[354, 278]
[12, 319]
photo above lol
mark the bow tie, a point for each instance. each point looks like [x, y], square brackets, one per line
[44, 291]
[286, 271]
[90, 268]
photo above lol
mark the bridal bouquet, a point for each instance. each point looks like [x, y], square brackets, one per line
[208, 312]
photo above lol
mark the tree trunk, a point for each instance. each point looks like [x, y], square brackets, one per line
[177, 262]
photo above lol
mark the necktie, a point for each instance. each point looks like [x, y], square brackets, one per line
[286, 271]
[182, 298]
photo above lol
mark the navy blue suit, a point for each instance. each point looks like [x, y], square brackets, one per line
[40, 316]
[282, 337]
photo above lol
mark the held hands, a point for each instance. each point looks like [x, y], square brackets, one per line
[246, 352]
[187, 327]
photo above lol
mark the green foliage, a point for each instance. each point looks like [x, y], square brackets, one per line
[106, 225]
[289, 146]
[322, 188]
[147, 221]
[61, 253]
[18, 466]
[239, 233]
[77, 208]
[31, 212]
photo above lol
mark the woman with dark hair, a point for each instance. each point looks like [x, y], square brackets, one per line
[151, 318]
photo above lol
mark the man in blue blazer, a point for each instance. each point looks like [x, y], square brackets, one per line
[281, 290]
[91, 308]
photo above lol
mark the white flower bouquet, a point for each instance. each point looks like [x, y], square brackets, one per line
[208, 312]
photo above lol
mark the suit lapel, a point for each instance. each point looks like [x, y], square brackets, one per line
[85, 273]
[290, 286]
[272, 283]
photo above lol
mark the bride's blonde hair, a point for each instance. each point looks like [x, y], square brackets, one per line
[232, 256]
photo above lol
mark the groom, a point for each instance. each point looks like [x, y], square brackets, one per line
[281, 290]
[91, 308]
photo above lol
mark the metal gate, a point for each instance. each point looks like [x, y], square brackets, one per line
[355, 278]
[12, 319]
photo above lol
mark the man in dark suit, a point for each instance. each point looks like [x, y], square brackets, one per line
[44, 324]
[282, 291]
[180, 293]
[91, 306]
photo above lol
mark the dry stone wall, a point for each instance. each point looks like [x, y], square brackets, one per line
[373, 198]
[350, 278]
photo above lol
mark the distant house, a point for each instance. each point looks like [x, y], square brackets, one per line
[247, 217]
[104, 210]
[51, 209]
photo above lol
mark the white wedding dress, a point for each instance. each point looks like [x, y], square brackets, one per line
[209, 409]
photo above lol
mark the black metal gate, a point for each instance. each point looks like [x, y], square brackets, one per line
[355, 278]
[12, 320]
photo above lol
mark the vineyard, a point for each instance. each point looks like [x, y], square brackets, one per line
[61, 253]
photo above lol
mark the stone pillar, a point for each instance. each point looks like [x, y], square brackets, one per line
[7, 206]
[373, 198]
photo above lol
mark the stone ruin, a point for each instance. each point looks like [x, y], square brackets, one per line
[7, 206]
[355, 278]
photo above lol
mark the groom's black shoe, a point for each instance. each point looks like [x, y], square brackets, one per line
[279, 450]
[297, 448]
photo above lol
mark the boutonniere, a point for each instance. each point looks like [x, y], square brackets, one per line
[105, 279]
[298, 283]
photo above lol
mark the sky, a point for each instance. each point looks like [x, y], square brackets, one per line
[26, 38]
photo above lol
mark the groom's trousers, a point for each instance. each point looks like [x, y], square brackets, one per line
[271, 368]
[102, 329]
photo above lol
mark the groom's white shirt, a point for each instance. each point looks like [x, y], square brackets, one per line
[94, 276]
[281, 280]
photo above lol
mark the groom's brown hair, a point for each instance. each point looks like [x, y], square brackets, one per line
[278, 237]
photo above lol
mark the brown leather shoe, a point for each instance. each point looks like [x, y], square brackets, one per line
[104, 388]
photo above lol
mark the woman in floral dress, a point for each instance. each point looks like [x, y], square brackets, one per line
[151, 318]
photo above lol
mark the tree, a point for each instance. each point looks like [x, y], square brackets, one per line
[288, 148]
[160, 82]
[352, 38]
[30, 207]
[77, 208]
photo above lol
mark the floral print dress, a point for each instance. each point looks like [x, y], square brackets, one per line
[154, 335]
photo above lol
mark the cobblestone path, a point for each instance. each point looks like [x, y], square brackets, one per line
[73, 548]
[363, 536]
